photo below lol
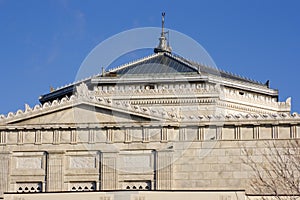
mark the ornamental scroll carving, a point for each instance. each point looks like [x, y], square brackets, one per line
[82, 90]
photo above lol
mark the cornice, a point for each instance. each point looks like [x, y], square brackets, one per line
[85, 96]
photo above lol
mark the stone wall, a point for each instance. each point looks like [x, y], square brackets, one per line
[147, 158]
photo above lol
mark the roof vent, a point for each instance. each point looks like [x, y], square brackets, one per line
[163, 45]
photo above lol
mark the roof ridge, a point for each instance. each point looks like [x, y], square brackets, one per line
[116, 68]
[241, 77]
[180, 59]
[220, 70]
[134, 62]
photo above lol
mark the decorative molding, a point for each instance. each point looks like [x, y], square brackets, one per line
[28, 187]
[73, 136]
[293, 131]
[237, 132]
[145, 135]
[82, 186]
[127, 135]
[219, 132]
[20, 139]
[182, 134]
[275, 132]
[200, 133]
[38, 137]
[152, 113]
[256, 130]
[56, 136]
[92, 136]
[164, 134]
[136, 185]
[3, 137]
[109, 135]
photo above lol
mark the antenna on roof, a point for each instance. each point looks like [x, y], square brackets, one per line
[163, 45]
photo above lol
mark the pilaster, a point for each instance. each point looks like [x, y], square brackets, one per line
[55, 171]
[109, 176]
[164, 169]
[4, 172]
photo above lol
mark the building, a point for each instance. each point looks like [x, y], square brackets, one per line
[159, 127]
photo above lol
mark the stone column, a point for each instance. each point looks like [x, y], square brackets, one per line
[109, 176]
[164, 169]
[4, 172]
[55, 171]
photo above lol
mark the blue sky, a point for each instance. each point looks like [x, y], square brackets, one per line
[43, 43]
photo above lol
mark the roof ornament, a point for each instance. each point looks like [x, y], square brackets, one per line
[163, 45]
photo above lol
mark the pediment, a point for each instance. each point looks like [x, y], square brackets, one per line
[82, 112]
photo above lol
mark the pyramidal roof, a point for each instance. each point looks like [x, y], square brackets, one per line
[160, 63]
[163, 63]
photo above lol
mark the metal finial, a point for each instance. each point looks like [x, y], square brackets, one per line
[163, 23]
[163, 45]
[103, 71]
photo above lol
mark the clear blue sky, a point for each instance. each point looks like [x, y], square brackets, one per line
[43, 43]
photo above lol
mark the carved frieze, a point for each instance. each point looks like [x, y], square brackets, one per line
[81, 162]
[29, 162]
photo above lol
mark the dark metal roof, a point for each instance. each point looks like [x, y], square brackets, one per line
[207, 70]
[161, 64]
[171, 64]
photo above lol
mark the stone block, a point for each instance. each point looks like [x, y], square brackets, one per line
[284, 132]
[202, 183]
[217, 152]
[188, 167]
[240, 174]
[211, 175]
[29, 137]
[211, 159]
[265, 132]
[233, 167]
[47, 136]
[228, 133]
[225, 174]
[196, 175]
[203, 167]
[236, 159]
[181, 176]
[12, 137]
[224, 159]
[234, 183]
[230, 144]
[233, 152]
[216, 167]
[65, 136]
[247, 133]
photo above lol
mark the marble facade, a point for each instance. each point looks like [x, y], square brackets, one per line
[175, 132]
